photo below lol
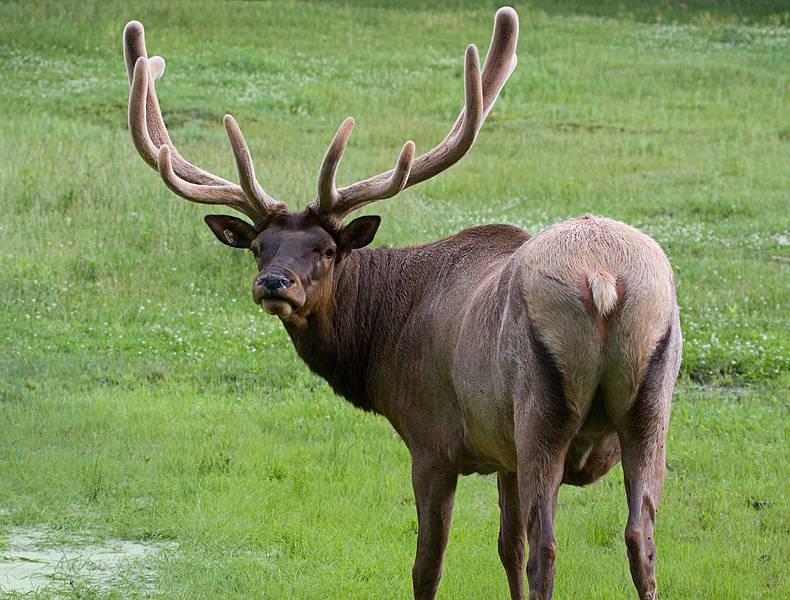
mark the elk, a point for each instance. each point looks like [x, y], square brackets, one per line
[543, 359]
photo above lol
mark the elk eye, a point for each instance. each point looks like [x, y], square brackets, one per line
[329, 253]
[254, 250]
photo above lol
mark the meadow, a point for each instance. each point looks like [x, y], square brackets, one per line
[145, 398]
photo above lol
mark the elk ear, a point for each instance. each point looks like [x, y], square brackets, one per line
[359, 233]
[231, 231]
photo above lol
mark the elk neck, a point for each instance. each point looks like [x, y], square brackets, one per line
[370, 299]
[378, 295]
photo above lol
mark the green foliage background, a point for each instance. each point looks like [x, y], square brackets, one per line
[143, 396]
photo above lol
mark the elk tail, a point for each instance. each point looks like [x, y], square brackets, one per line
[603, 289]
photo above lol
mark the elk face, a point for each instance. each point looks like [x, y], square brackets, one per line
[296, 255]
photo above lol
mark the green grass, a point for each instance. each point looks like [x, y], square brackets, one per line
[144, 397]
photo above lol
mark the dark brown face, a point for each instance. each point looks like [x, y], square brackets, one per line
[296, 257]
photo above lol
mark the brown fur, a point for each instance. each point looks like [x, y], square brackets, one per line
[485, 355]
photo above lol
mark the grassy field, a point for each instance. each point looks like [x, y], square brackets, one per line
[143, 396]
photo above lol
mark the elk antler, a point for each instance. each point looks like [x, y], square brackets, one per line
[152, 141]
[481, 91]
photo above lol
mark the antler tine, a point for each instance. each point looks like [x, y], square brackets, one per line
[134, 49]
[463, 132]
[501, 58]
[138, 127]
[400, 174]
[153, 143]
[148, 112]
[481, 90]
[246, 170]
[327, 193]
[332, 202]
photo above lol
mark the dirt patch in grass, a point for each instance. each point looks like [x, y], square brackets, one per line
[37, 558]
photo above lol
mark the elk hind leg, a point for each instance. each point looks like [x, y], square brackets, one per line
[642, 431]
[643, 468]
[545, 427]
[541, 460]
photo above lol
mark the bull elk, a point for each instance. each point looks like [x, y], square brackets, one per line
[545, 359]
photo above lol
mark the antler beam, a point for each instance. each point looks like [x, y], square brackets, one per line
[150, 137]
[481, 90]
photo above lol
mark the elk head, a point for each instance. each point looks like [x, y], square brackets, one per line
[297, 252]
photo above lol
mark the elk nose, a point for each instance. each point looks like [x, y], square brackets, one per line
[272, 282]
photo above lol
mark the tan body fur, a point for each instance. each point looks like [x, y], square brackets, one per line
[461, 342]
[538, 287]
[455, 343]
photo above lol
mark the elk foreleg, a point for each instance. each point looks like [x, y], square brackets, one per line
[434, 490]
[511, 534]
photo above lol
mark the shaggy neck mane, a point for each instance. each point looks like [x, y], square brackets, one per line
[369, 300]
